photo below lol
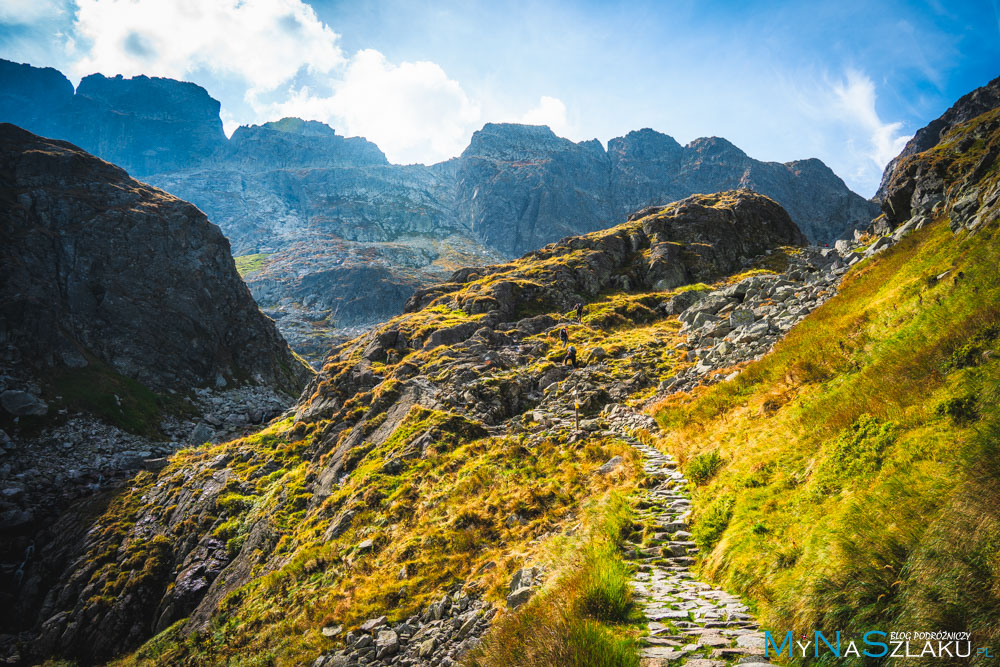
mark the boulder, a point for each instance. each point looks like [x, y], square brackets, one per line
[451, 335]
[427, 648]
[386, 644]
[373, 623]
[201, 434]
[681, 302]
[741, 317]
[519, 597]
[613, 464]
[23, 404]
[701, 319]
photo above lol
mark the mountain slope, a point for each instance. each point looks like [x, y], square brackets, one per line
[433, 454]
[125, 331]
[853, 471]
[319, 210]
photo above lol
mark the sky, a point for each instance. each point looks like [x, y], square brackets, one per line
[846, 81]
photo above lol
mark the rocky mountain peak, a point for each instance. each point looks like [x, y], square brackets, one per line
[514, 141]
[152, 97]
[306, 128]
[30, 92]
[295, 143]
[717, 146]
[956, 177]
[644, 144]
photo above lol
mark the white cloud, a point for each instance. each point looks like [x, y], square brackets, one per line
[838, 122]
[856, 100]
[413, 111]
[263, 42]
[550, 111]
[286, 60]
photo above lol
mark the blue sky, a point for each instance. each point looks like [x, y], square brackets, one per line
[844, 81]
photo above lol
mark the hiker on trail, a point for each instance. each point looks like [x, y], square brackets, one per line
[570, 357]
[564, 336]
[579, 312]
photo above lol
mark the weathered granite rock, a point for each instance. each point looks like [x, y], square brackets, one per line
[915, 185]
[966, 108]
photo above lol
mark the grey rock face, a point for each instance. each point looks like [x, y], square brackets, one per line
[521, 186]
[97, 266]
[143, 124]
[917, 186]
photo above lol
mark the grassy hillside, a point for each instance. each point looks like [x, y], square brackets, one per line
[435, 453]
[849, 480]
[437, 523]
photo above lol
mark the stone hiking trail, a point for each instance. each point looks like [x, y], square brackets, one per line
[690, 622]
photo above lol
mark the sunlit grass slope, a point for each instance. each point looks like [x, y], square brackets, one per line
[849, 480]
[438, 522]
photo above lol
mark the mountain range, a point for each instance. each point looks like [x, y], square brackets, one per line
[639, 445]
[335, 237]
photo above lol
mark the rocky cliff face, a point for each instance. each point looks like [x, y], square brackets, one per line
[311, 202]
[948, 168]
[100, 267]
[125, 334]
[145, 125]
[521, 187]
[979, 101]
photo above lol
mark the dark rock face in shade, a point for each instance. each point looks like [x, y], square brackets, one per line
[98, 267]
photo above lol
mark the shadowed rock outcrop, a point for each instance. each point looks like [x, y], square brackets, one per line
[99, 268]
[948, 168]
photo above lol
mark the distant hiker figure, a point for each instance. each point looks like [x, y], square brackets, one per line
[570, 357]
[564, 336]
[579, 311]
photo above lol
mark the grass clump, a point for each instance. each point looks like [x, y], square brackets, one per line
[708, 531]
[856, 454]
[703, 467]
[959, 409]
[578, 620]
[249, 264]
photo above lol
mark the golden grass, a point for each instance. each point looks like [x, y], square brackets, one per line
[837, 455]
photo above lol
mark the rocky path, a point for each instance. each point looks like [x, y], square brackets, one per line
[689, 621]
